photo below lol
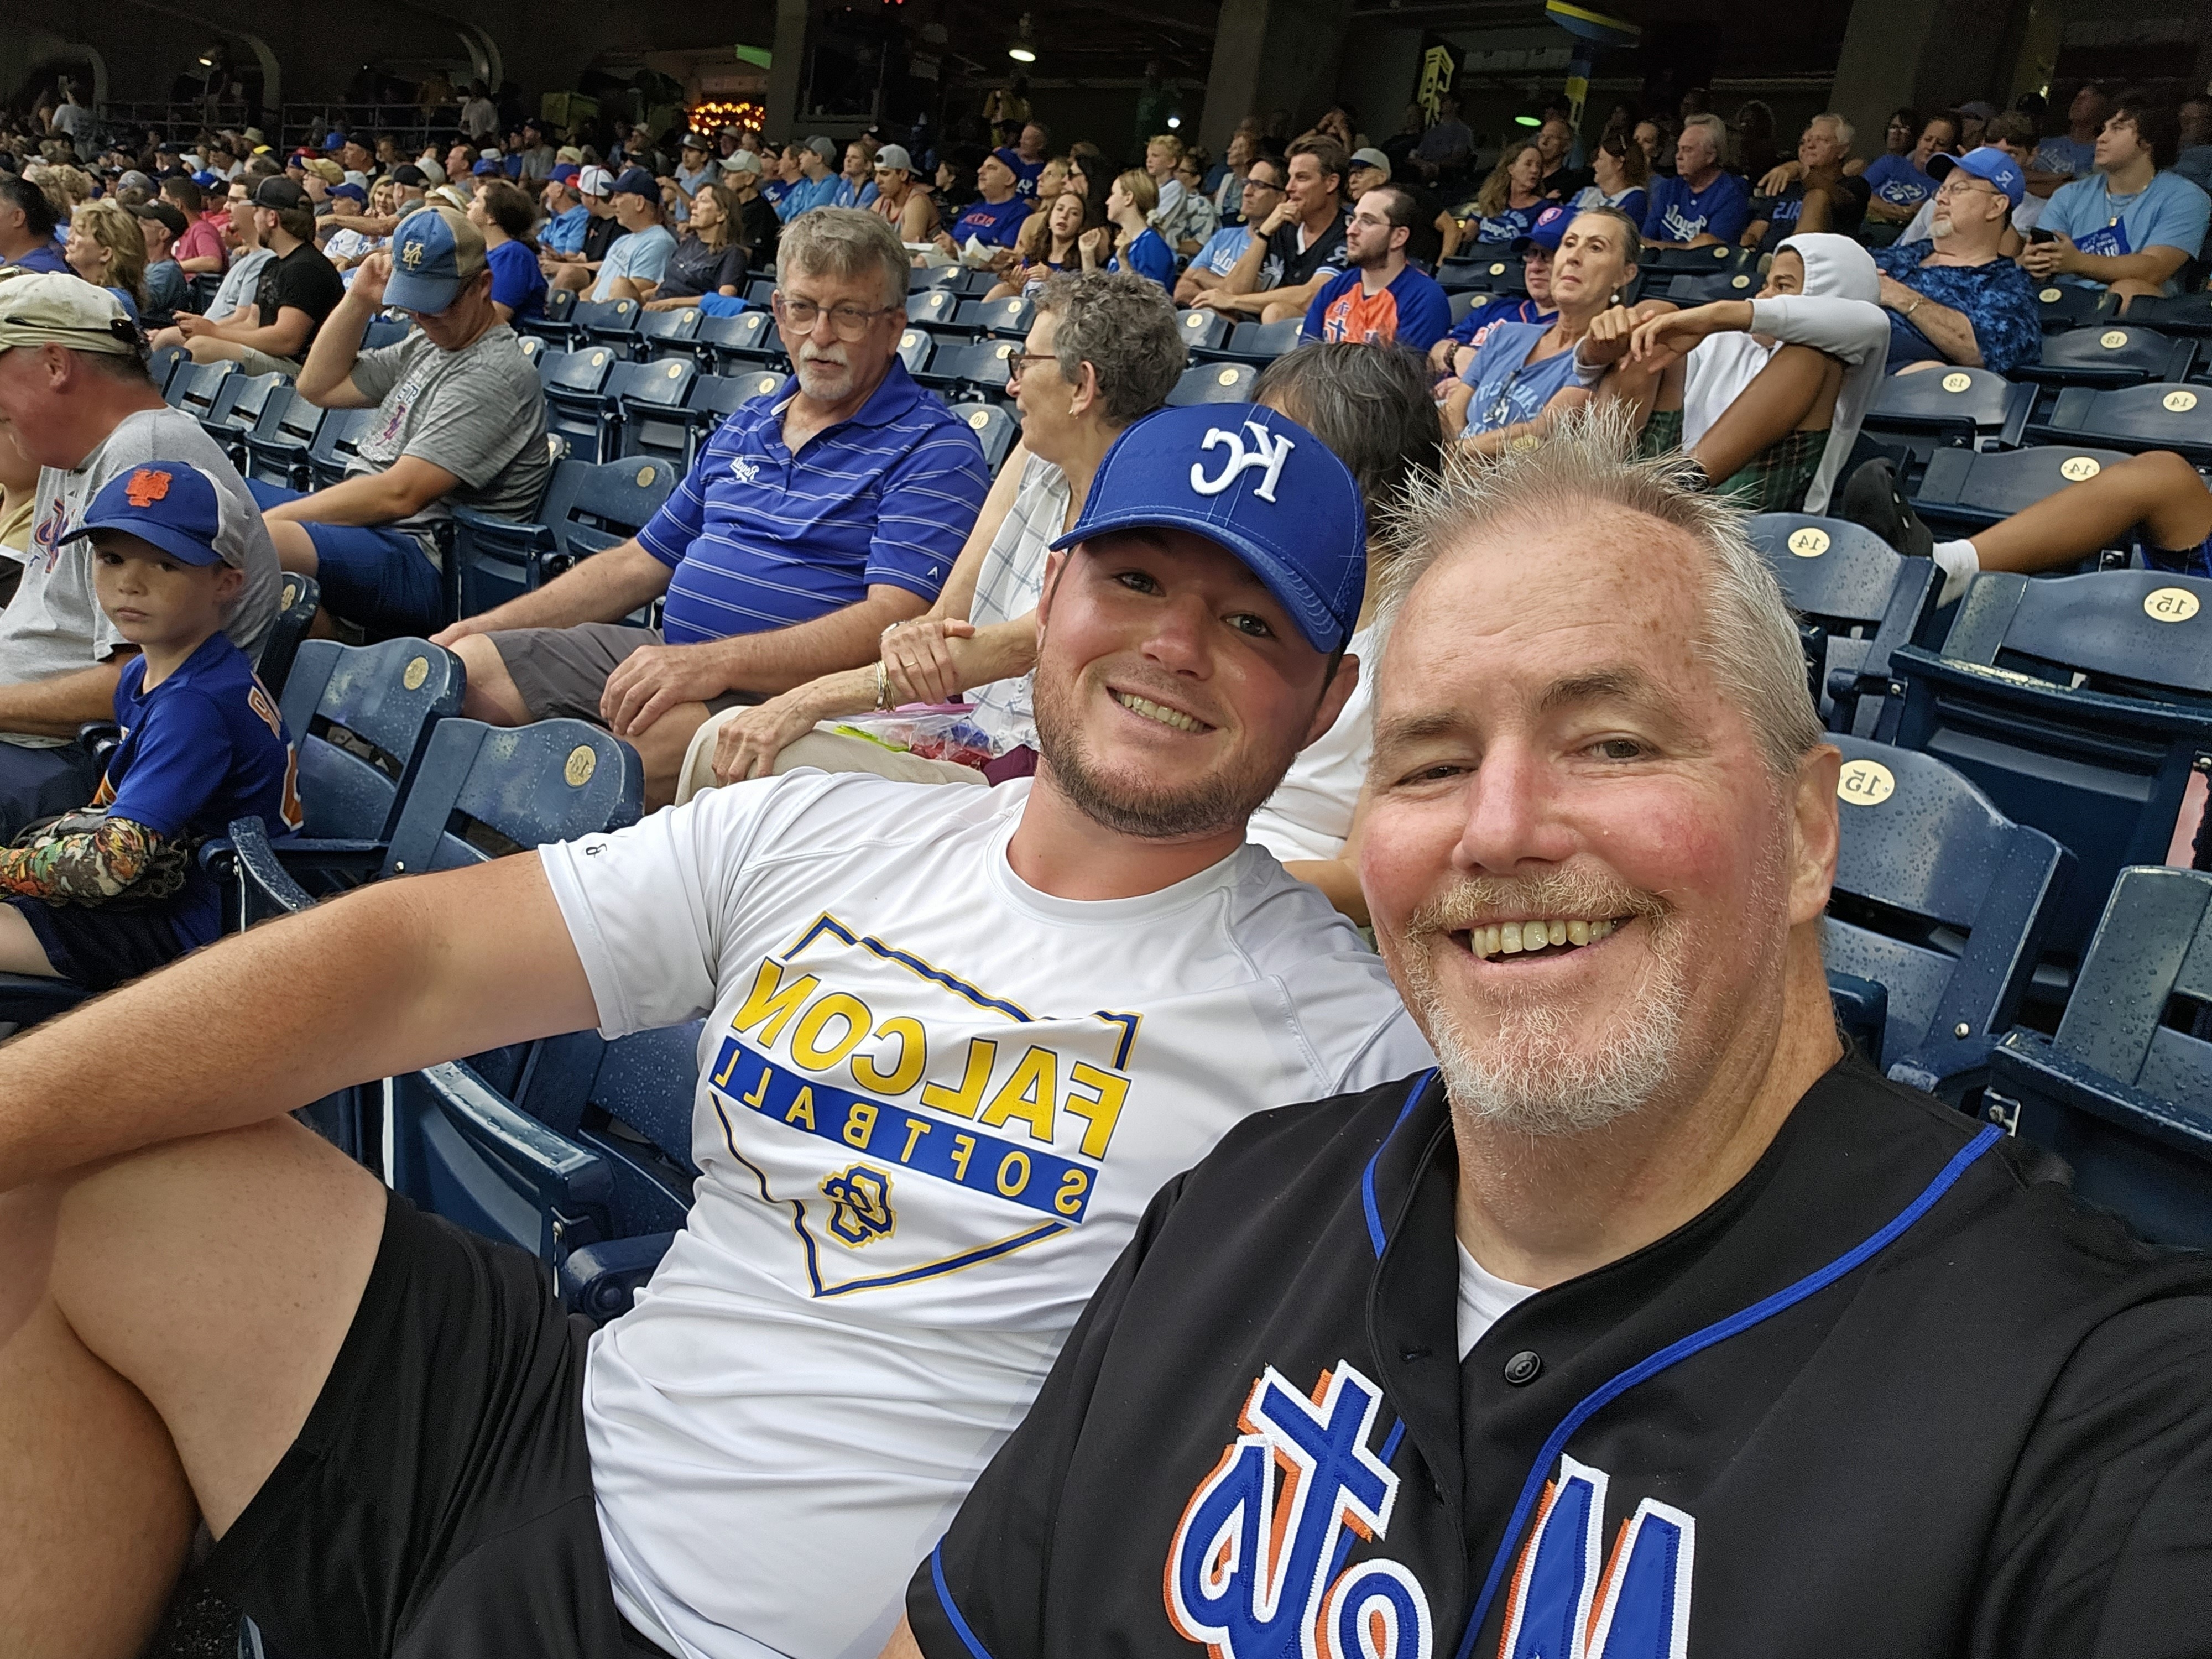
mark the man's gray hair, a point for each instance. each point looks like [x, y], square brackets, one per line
[1845, 132]
[1717, 129]
[844, 242]
[1589, 462]
[1124, 326]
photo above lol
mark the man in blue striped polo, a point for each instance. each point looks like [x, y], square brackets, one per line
[819, 514]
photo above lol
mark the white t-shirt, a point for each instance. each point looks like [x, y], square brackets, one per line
[932, 1104]
[1309, 814]
[1007, 586]
[1484, 1299]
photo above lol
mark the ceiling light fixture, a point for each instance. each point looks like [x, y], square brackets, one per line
[1023, 50]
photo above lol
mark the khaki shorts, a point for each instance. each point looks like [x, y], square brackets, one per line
[824, 748]
[561, 672]
[251, 362]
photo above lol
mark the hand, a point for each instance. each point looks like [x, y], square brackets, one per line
[1779, 177]
[1097, 244]
[943, 241]
[1283, 214]
[1895, 294]
[748, 743]
[2049, 259]
[453, 634]
[655, 678]
[1658, 340]
[369, 279]
[661, 305]
[916, 663]
[1610, 333]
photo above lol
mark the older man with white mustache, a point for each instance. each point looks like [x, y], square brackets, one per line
[1652, 1322]
[831, 506]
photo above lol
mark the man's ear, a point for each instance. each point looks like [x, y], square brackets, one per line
[1333, 696]
[1813, 835]
[1055, 567]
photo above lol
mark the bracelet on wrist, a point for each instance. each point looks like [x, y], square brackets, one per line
[883, 687]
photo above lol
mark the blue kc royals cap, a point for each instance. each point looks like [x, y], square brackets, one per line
[1259, 484]
[172, 504]
[1988, 163]
[435, 254]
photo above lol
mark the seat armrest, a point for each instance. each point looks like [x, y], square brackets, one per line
[601, 1280]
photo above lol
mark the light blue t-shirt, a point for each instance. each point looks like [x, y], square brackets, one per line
[2065, 153]
[1896, 180]
[2168, 212]
[1509, 389]
[1222, 250]
[642, 256]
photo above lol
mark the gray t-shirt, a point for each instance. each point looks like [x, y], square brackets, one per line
[476, 412]
[240, 284]
[54, 624]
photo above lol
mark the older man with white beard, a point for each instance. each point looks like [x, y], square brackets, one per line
[820, 513]
[1652, 1322]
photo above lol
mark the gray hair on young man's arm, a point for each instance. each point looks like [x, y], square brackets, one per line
[1589, 462]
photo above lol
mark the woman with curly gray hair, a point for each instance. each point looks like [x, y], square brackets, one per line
[1104, 351]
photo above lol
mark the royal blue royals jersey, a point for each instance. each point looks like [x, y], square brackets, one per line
[204, 747]
[1895, 1393]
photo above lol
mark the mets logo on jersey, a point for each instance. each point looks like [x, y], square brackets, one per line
[1256, 1570]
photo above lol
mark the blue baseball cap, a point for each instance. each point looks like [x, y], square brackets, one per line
[483, 168]
[636, 181]
[1550, 225]
[352, 193]
[1259, 484]
[334, 141]
[435, 254]
[1989, 163]
[172, 504]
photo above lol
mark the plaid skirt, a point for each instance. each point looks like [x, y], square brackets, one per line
[1773, 480]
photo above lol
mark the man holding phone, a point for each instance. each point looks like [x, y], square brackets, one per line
[2130, 226]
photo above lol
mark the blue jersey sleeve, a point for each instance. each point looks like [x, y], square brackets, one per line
[1731, 210]
[1425, 318]
[668, 535]
[926, 507]
[1316, 327]
[178, 759]
[1662, 192]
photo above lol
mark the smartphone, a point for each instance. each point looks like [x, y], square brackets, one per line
[2040, 234]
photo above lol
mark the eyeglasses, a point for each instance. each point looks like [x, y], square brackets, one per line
[1956, 186]
[1018, 364]
[848, 322]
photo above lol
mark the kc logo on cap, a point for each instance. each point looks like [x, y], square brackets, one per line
[1274, 448]
[146, 486]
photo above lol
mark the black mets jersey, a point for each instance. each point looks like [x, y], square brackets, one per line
[1896, 1393]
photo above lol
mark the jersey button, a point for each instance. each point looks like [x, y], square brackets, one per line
[1524, 1368]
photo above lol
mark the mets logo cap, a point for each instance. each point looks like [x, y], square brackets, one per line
[1260, 485]
[172, 504]
[435, 253]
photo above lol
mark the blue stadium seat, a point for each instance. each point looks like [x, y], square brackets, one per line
[1703, 287]
[978, 369]
[644, 412]
[1204, 331]
[2157, 416]
[297, 595]
[532, 347]
[337, 437]
[2175, 313]
[587, 1162]
[238, 404]
[741, 344]
[1943, 901]
[1858, 599]
[162, 364]
[195, 387]
[1478, 267]
[553, 323]
[277, 449]
[1008, 319]
[590, 509]
[1968, 488]
[995, 428]
[1261, 344]
[935, 309]
[2124, 1091]
[609, 323]
[1213, 383]
[2062, 305]
[714, 398]
[760, 291]
[1958, 407]
[669, 334]
[914, 349]
[1723, 258]
[2079, 705]
[384, 332]
[575, 384]
[2112, 353]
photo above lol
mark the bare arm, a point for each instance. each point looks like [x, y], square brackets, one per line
[400, 491]
[325, 379]
[901, 1644]
[282, 339]
[1951, 332]
[401, 975]
[205, 264]
[56, 707]
[605, 588]
[2155, 264]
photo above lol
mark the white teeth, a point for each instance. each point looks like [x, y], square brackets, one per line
[1509, 939]
[1153, 711]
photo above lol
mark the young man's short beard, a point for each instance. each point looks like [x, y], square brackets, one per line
[1223, 799]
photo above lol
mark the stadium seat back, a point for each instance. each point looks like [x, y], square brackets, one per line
[650, 399]
[532, 347]
[277, 449]
[2111, 354]
[2175, 314]
[575, 385]
[337, 438]
[2080, 705]
[384, 332]
[1213, 383]
[746, 340]
[1957, 405]
[592, 508]
[1203, 330]
[238, 409]
[1864, 599]
[714, 398]
[1940, 899]
[296, 599]
[669, 334]
[2063, 306]
[2161, 414]
[995, 428]
[1262, 342]
[195, 388]
[161, 366]
[1703, 287]
[2123, 1091]
[608, 322]
[1008, 319]
[556, 322]
[761, 291]
[914, 349]
[1973, 488]
[359, 716]
[933, 308]
[1722, 259]
[482, 792]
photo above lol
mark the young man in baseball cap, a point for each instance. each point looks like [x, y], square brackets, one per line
[1650, 1321]
[955, 1038]
[580, 268]
[461, 423]
[75, 392]
[113, 892]
[297, 290]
